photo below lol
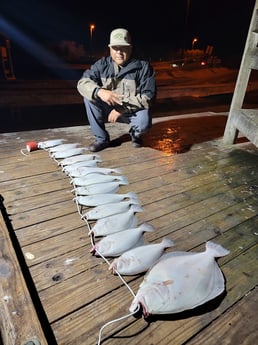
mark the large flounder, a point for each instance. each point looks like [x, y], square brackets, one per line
[180, 281]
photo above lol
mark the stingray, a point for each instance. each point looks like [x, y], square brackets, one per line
[181, 281]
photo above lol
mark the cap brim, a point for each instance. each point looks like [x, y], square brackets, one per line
[122, 45]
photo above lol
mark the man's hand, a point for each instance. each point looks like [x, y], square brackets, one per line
[109, 97]
[113, 116]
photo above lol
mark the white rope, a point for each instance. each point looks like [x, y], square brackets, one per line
[115, 320]
[23, 153]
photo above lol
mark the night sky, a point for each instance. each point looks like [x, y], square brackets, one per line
[154, 28]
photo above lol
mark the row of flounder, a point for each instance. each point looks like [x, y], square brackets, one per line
[175, 281]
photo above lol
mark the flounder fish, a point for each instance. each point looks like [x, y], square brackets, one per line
[181, 281]
[62, 147]
[98, 188]
[84, 171]
[119, 242]
[102, 199]
[140, 259]
[116, 222]
[79, 158]
[50, 143]
[98, 178]
[67, 153]
[87, 163]
[106, 210]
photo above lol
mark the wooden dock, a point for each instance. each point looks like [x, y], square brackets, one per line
[192, 189]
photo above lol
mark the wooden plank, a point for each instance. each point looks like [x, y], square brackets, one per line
[234, 326]
[19, 321]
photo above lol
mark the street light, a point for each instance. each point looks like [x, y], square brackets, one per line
[92, 27]
[194, 41]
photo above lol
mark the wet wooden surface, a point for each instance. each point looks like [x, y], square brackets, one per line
[192, 189]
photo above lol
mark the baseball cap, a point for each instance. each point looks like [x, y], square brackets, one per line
[120, 37]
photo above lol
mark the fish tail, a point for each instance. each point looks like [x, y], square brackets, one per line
[136, 208]
[146, 227]
[113, 266]
[117, 170]
[131, 195]
[167, 242]
[217, 249]
[134, 201]
[123, 180]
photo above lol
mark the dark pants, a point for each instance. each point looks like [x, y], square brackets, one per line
[98, 112]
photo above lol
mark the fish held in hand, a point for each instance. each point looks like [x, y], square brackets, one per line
[115, 244]
[140, 259]
[181, 281]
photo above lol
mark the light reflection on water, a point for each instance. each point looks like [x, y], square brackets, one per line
[177, 136]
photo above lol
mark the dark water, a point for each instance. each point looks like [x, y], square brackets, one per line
[15, 119]
[27, 118]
